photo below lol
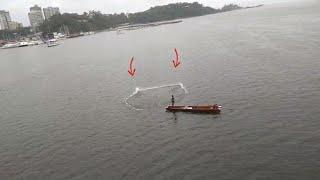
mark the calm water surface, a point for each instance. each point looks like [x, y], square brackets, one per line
[63, 113]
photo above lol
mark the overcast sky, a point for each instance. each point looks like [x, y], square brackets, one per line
[19, 8]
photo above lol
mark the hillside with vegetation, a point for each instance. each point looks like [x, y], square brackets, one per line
[95, 20]
[170, 12]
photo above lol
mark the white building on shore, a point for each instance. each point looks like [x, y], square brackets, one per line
[35, 16]
[5, 19]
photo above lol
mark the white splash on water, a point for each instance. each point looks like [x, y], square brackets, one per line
[137, 90]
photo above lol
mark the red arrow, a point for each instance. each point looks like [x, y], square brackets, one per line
[176, 62]
[131, 71]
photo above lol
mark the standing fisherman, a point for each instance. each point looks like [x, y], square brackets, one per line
[172, 100]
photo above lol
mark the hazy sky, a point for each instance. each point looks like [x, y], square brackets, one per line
[19, 8]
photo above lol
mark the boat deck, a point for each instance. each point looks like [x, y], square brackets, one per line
[209, 109]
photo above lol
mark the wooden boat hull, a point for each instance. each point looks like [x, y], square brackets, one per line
[210, 109]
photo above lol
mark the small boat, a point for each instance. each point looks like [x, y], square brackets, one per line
[10, 45]
[209, 109]
[52, 42]
[34, 43]
[23, 44]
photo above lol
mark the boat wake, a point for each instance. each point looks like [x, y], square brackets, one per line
[140, 95]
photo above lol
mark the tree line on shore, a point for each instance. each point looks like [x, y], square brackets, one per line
[96, 21]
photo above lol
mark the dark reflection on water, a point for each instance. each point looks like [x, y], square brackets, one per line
[63, 114]
[175, 118]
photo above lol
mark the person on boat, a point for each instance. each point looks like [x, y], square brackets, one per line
[172, 100]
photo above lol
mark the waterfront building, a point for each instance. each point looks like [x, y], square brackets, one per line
[35, 16]
[50, 11]
[5, 19]
[14, 25]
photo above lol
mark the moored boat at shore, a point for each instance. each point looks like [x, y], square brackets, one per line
[52, 43]
[10, 45]
[23, 44]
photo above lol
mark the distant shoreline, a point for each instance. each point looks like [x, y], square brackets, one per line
[159, 23]
[142, 25]
[74, 24]
[97, 21]
[249, 7]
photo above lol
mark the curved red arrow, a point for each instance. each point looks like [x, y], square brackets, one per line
[131, 71]
[176, 62]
